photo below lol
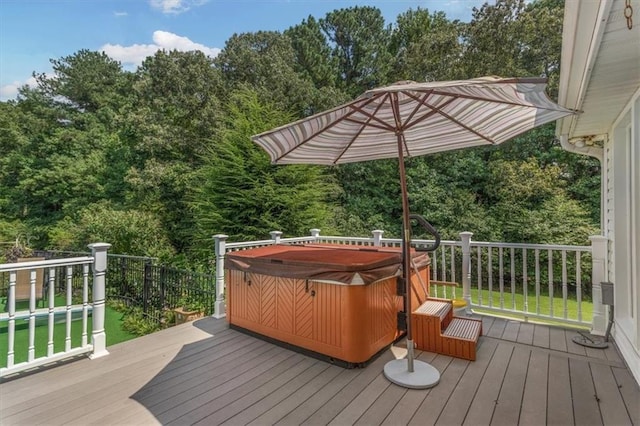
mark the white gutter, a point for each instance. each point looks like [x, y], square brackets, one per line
[591, 151]
[583, 28]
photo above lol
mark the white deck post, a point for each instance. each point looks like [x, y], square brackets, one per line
[466, 267]
[220, 308]
[11, 303]
[98, 336]
[377, 237]
[315, 233]
[598, 275]
[275, 236]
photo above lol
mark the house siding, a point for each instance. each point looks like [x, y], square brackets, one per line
[621, 175]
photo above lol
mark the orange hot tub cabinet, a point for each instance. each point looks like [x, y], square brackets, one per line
[340, 302]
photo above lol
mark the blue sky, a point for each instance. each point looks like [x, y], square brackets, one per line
[34, 31]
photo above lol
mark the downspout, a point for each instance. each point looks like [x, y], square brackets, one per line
[595, 152]
[598, 242]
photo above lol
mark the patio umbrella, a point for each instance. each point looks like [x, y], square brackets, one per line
[408, 119]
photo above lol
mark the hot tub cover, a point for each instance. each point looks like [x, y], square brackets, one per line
[341, 263]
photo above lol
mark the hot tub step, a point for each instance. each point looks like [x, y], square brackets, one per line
[436, 330]
[464, 328]
[460, 339]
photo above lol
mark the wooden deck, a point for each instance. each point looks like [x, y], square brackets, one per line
[205, 373]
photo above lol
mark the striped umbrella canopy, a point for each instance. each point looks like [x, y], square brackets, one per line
[429, 117]
[408, 119]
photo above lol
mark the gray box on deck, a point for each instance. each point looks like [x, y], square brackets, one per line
[607, 293]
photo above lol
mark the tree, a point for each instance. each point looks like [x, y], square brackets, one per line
[531, 205]
[242, 195]
[88, 80]
[174, 118]
[132, 232]
[542, 41]
[265, 62]
[359, 43]
[177, 106]
[426, 47]
[53, 160]
[312, 53]
[492, 40]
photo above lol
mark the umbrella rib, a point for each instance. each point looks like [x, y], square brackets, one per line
[393, 101]
[325, 128]
[465, 126]
[420, 102]
[438, 110]
[359, 132]
[369, 124]
[497, 101]
[433, 111]
[383, 126]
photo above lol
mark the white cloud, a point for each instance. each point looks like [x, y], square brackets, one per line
[135, 54]
[120, 14]
[10, 91]
[175, 6]
[172, 41]
[129, 56]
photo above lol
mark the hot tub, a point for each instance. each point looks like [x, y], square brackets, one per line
[340, 302]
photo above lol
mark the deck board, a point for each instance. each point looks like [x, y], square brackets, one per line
[380, 409]
[573, 347]
[359, 405]
[511, 331]
[286, 406]
[206, 373]
[541, 336]
[525, 334]
[267, 397]
[611, 352]
[585, 406]
[610, 401]
[559, 401]
[483, 405]
[497, 328]
[327, 412]
[557, 339]
[455, 410]
[440, 394]
[534, 401]
[507, 410]
[412, 398]
[300, 414]
[630, 392]
[197, 405]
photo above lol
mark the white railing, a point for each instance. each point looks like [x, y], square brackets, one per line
[76, 277]
[558, 283]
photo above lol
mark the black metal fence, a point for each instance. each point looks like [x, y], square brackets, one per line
[139, 282]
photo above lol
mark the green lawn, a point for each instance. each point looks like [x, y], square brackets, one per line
[544, 301]
[113, 329]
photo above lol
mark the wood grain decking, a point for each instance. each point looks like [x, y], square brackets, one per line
[204, 373]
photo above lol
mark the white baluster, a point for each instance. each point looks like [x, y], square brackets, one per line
[220, 309]
[466, 267]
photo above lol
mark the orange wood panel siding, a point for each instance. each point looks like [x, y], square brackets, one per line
[347, 322]
[285, 295]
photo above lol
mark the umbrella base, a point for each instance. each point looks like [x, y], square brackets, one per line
[424, 375]
[591, 341]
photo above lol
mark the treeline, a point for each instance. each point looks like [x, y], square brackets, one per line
[158, 160]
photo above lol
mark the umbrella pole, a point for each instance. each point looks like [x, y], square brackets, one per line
[412, 373]
[406, 252]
